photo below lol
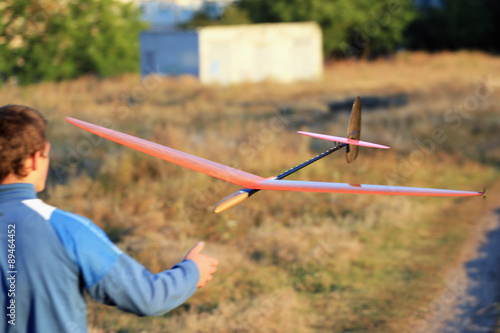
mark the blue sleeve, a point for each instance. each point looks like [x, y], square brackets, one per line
[114, 278]
[132, 288]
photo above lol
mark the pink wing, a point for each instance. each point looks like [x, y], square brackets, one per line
[249, 180]
[213, 169]
[343, 140]
[304, 186]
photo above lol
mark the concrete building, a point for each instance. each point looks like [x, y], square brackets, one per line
[284, 52]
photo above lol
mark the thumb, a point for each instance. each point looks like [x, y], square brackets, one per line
[197, 248]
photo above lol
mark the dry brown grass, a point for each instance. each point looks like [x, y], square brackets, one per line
[289, 261]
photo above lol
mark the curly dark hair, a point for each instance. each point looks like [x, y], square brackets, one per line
[22, 134]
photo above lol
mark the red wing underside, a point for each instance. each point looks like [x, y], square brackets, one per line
[208, 167]
[249, 180]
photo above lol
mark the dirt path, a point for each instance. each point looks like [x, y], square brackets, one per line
[470, 301]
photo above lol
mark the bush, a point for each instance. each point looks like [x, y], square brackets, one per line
[54, 40]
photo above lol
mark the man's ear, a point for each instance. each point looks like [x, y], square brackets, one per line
[34, 161]
[35, 158]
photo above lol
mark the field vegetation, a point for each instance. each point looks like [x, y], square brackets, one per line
[290, 262]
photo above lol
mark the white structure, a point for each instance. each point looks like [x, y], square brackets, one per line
[283, 52]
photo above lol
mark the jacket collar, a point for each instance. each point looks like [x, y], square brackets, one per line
[17, 191]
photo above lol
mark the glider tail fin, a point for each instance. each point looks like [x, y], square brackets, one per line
[354, 131]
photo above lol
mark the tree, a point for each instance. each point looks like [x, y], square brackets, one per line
[53, 40]
[350, 27]
[230, 15]
[458, 24]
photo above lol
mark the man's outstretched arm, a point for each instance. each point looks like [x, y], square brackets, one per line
[112, 277]
[132, 288]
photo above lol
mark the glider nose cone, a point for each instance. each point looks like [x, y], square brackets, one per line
[231, 200]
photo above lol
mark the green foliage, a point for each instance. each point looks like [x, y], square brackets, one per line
[199, 19]
[234, 15]
[53, 40]
[458, 24]
[231, 16]
[350, 27]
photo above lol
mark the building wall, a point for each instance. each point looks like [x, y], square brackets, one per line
[169, 53]
[283, 52]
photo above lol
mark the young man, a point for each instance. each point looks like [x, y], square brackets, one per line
[49, 257]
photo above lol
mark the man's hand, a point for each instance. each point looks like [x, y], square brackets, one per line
[206, 265]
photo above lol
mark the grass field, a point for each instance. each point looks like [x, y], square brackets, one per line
[290, 262]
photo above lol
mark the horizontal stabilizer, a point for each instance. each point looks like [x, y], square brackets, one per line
[343, 140]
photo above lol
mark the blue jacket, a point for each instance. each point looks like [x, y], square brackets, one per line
[49, 257]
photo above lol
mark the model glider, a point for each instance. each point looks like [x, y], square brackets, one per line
[253, 183]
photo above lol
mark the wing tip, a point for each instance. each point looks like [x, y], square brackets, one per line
[72, 121]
